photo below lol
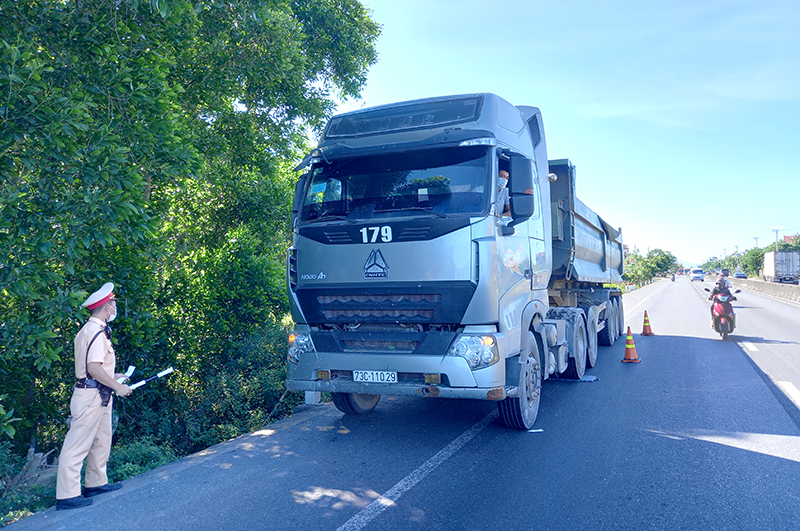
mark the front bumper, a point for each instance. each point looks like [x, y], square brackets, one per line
[456, 378]
[436, 391]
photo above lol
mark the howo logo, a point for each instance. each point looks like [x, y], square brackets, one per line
[321, 276]
[375, 266]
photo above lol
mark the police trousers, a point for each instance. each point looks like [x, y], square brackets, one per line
[89, 438]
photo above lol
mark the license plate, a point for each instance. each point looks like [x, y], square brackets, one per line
[375, 376]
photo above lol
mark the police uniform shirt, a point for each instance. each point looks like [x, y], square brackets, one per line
[101, 350]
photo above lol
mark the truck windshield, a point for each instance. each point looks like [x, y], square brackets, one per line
[443, 181]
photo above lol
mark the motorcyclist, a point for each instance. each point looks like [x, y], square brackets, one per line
[722, 287]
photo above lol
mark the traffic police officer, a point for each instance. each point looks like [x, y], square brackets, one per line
[89, 435]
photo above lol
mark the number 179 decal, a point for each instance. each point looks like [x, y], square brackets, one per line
[370, 234]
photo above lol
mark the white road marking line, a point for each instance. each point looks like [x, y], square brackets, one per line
[404, 485]
[791, 391]
[629, 311]
[749, 346]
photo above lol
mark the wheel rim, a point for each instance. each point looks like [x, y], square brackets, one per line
[364, 401]
[611, 322]
[532, 389]
[592, 336]
[532, 383]
[580, 356]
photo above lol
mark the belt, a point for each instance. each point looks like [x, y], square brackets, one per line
[87, 383]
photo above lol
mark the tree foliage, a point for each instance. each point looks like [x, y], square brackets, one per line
[639, 269]
[150, 144]
[751, 261]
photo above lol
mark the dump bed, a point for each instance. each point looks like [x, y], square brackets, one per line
[585, 247]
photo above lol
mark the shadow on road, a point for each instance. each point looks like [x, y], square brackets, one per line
[757, 339]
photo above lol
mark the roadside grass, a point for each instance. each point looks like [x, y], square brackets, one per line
[36, 491]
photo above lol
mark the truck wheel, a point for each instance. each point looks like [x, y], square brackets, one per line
[520, 412]
[608, 333]
[355, 403]
[576, 330]
[620, 316]
[591, 334]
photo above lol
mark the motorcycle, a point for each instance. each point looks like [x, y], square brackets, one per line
[723, 314]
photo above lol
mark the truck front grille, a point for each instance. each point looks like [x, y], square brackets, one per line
[378, 312]
[381, 346]
[378, 306]
[403, 297]
[419, 303]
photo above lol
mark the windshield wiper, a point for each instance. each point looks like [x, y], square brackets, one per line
[419, 209]
[331, 218]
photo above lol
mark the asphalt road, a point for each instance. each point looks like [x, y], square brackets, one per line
[700, 435]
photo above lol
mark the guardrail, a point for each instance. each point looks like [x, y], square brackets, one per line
[784, 291]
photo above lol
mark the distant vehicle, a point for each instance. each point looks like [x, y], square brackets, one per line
[696, 274]
[782, 266]
[726, 272]
[739, 274]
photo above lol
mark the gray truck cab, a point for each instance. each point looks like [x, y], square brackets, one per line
[409, 274]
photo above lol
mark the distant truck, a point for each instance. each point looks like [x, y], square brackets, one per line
[782, 266]
[417, 269]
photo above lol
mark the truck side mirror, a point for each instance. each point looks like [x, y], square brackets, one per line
[298, 193]
[298, 196]
[521, 191]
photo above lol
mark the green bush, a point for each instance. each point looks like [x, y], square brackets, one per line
[136, 457]
[10, 464]
[19, 502]
[233, 394]
[24, 502]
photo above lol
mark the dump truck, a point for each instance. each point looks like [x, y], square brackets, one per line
[782, 266]
[438, 253]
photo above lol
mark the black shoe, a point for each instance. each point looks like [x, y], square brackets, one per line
[72, 503]
[94, 491]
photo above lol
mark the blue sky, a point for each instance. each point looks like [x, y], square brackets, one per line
[682, 117]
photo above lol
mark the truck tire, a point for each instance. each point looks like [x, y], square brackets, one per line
[608, 334]
[620, 316]
[591, 335]
[355, 403]
[520, 412]
[578, 344]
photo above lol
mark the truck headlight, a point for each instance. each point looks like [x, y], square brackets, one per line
[479, 350]
[299, 344]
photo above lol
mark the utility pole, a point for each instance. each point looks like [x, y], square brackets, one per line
[776, 240]
[756, 239]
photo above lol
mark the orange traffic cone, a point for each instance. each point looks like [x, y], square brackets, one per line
[647, 331]
[630, 350]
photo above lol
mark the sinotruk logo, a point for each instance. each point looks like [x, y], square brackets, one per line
[375, 266]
